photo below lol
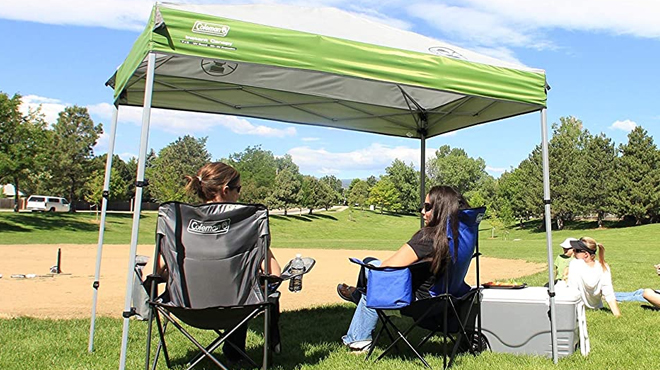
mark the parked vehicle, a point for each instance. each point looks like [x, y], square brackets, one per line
[46, 203]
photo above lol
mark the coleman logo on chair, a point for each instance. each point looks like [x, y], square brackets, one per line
[208, 227]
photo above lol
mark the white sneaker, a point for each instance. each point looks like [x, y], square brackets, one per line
[362, 346]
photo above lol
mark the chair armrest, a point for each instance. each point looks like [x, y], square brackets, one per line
[269, 278]
[152, 279]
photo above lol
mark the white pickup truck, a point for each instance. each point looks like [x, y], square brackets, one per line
[45, 203]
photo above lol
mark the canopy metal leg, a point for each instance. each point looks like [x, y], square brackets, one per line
[548, 233]
[104, 207]
[422, 174]
[137, 208]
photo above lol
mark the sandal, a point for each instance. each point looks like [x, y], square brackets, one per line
[348, 293]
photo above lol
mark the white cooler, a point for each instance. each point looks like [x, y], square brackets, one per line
[518, 321]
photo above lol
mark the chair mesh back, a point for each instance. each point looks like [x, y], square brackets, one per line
[213, 253]
[468, 233]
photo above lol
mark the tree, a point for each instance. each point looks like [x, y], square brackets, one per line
[131, 167]
[599, 178]
[371, 181]
[358, 193]
[335, 185]
[258, 168]
[522, 188]
[327, 196]
[309, 193]
[385, 195]
[22, 143]
[74, 136]
[185, 156]
[567, 160]
[638, 177]
[120, 178]
[406, 181]
[286, 192]
[454, 168]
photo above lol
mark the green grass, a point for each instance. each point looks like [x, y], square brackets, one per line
[312, 336]
[311, 340]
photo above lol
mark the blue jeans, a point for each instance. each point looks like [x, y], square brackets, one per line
[364, 321]
[636, 296]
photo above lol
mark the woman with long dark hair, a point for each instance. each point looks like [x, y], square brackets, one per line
[430, 243]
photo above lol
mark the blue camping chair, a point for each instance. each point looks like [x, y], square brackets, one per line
[454, 308]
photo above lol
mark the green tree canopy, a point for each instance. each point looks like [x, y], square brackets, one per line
[185, 156]
[453, 167]
[567, 162]
[406, 181]
[358, 193]
[385, 195]
[258, 168]
[638, 177]
[599, 180]
[22, 144]
[286, 193]
[74, 137]
[309, 193]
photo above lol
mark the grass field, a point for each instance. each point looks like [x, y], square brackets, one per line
[311, 336]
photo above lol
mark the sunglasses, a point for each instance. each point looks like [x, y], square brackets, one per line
[238, 188]
[426, 208]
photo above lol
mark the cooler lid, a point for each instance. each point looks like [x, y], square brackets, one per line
[530, 295]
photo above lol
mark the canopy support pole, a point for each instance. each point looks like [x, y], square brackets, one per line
[137, 208]
[104, 207]
[548, 233]
[422, 173]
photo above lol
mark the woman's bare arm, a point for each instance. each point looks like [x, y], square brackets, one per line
[405, 256]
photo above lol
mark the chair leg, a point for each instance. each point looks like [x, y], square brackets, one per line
[162, 344]
[401, 336]
[149, 333]
[195, 342]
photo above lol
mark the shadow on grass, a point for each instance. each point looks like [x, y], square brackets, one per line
[28, 222]
[538, 226]
[303, 218]
[309, 336]
[6, 226]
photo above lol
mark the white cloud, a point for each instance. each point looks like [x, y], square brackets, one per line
[179, 122]
[127, 156]
[515, 23]
[102, 143]
[50, 108]
[495, 169]
[511, 23]
[372, 158]
[310, 139]
[626, 125]
[117, 14]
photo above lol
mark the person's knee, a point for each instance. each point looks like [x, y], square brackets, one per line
[649, 293]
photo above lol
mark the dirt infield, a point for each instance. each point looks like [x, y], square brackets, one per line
[69, 295]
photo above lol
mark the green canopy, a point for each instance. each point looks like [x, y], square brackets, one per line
[346, 72]
[315, 66]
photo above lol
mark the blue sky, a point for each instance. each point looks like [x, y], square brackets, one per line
[600, 56]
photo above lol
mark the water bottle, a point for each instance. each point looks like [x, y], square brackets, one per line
[297, 269]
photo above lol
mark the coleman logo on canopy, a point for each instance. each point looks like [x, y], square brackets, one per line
[445, 52]
[208, 227]
[210, 28]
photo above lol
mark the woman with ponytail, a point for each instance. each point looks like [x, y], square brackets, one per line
[430, 243]
[218, 182]
[591, 277]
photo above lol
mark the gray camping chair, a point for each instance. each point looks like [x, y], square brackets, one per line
[213, 255]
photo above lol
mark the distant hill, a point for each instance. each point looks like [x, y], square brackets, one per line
[345, 183]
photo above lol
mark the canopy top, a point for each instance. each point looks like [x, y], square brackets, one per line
[320, 66]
